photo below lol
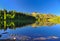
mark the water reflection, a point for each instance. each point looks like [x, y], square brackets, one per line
[12, 24]
[43, 23]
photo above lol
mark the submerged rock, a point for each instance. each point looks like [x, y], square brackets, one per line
[20, 37]
[0, 35]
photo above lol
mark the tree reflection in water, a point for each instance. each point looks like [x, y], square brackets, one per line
[12, 24]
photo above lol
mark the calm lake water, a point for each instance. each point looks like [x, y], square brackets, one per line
[32, 33]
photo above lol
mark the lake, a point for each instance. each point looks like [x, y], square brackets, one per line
[43, 31]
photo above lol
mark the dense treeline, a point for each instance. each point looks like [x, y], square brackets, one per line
[12, 15]
[14, 19]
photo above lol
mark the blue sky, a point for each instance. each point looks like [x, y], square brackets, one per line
[29, 6]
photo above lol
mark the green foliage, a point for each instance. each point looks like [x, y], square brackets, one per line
[6, 15]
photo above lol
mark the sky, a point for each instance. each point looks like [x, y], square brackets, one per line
[29, 6]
